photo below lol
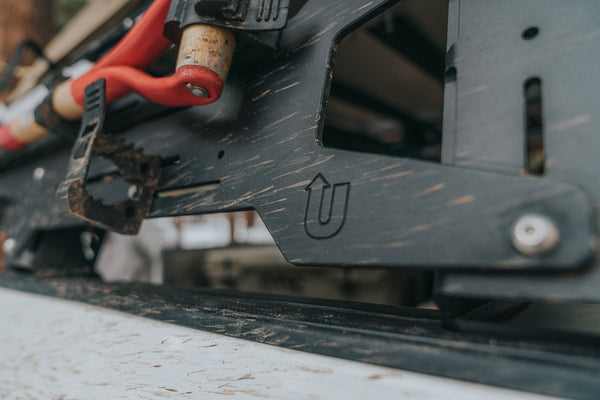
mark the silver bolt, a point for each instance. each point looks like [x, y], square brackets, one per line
[198, 91]
[535, 234]
[135, 192]
[38, 174]
[9, 245]
[128, 23]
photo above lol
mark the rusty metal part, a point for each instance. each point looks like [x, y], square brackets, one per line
[209, 47]
[138, 169]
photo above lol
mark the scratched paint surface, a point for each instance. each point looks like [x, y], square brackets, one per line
[56, 349]
[257, 148]
[491, 137]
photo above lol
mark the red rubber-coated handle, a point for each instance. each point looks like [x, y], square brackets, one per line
[7, 139]
[144, 43]
[169, 91]
[123, 69]
[122, 66]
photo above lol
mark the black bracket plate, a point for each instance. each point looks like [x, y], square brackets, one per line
[326, 206]
[262, 143]
[479, 135]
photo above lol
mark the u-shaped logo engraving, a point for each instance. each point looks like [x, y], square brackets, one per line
[325, 208]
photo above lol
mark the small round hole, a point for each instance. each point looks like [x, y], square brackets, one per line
[221, 154]
[530, 32]
[144, 168]
[129, 212]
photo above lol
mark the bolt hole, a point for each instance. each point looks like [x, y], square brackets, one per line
[450, 74]
[530, 32]
[221, 154]
[129, 212]
[144, 168]
[534, 127]
[135, 192]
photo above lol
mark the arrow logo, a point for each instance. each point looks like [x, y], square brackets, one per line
[325, 209]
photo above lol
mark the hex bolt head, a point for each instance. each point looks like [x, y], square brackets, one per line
[534, 234]
[198, 91]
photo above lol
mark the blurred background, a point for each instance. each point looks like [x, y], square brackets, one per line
[36, 20]
[386, 98]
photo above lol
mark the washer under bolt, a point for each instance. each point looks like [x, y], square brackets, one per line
[198, 91]
[534, 234]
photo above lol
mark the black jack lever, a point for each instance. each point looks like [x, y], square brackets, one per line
[140, 171]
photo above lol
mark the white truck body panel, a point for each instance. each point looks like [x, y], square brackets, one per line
[57, 349]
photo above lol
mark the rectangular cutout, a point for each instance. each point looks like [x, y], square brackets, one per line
[387, 91]
[204, 187]
[534, 126]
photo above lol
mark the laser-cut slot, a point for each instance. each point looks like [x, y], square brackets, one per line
[534, 127]
[204, 187]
